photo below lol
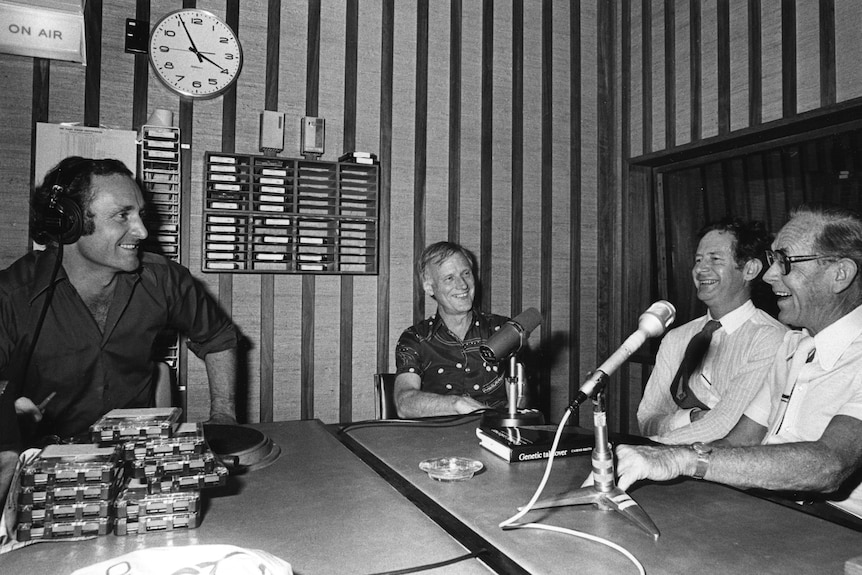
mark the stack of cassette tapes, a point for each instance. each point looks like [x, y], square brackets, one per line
[68, 491]
[167, 465]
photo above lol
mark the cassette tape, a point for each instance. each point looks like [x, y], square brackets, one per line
[151, 523]
[43, 495]
[186, 439]
[64, 512]
[127, 424]
[174, 465]
[128, 506]
[30, 532]
[172, 484]
[76, 464]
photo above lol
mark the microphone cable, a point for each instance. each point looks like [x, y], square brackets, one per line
[510, 523]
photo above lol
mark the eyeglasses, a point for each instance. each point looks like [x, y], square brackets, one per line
[784, 260]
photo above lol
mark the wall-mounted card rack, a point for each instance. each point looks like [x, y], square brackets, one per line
[264, 214]
[160, 173]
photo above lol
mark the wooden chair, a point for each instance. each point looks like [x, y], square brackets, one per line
[384, 396]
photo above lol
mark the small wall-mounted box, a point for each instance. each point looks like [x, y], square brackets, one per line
[271, 131]
[312, 136]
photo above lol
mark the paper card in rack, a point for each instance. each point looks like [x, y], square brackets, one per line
[516, 444]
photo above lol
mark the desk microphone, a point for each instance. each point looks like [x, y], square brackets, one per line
[510, 337]
[653, 322]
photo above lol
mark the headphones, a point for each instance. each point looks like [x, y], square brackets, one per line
[61, 218]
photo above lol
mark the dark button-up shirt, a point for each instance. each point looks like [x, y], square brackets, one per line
[450, 366]
[91, 371]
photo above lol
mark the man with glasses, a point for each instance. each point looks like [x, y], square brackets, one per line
[801, 432]
[708, 370]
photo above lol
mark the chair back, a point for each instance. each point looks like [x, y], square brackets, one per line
[384, 396]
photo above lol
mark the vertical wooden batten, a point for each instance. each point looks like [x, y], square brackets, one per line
[312, 85]
[486, 198]
[93, 78]
[267, 281]
[827, 52]
[547, 192]
[454, 188]
[420, 151]
[345, 365]
[385, 157]
[517, 226]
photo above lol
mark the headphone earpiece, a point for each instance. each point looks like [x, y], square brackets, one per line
[61, 218]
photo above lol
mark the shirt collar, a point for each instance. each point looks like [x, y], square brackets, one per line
[45, 261]
[437, 322]
[732, 321]
[834, 340]
[45, 267]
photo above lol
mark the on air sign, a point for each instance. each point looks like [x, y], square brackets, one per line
[43, 29]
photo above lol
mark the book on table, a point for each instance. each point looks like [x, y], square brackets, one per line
[516, 444]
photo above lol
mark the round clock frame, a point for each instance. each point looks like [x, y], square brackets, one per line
[194, 53]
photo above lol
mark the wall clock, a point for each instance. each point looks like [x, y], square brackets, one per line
[194, 53]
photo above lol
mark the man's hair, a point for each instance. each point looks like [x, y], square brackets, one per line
[74, 176]
[840, 234]
[750, 239]
[437, 253]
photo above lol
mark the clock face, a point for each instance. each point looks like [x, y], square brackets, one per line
[194, 53]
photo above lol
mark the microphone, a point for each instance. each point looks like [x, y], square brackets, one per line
[653, 322]
[510, 336]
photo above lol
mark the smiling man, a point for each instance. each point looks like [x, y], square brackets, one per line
[78, 320]
[708, 370]
[439, 368]
[801, 432]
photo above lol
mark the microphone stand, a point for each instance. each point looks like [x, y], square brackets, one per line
[516, 383]
[603, 493]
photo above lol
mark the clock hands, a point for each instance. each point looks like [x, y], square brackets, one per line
[192, 48]
[195, 51]
[200, 55]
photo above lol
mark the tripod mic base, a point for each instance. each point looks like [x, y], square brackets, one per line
[521, 418]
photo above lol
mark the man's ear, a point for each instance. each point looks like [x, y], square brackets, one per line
[844, 274]
[428, 287]
[752, 269]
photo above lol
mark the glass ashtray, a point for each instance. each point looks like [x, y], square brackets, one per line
[450, 468]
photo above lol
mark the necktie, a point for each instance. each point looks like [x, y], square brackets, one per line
[804, 354]
[691, 360]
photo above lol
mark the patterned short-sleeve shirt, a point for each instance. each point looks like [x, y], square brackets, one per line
[449, 365]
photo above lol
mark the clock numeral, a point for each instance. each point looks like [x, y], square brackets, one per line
[198, 21]
[223, 40]
[164, 48]
[213, 82]
[170, 33]
[228, 56]
[169, 65]
[197, 84]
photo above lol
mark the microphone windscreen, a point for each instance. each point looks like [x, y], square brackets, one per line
[529, 319]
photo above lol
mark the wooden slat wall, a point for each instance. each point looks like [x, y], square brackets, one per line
[498, 124]
[486, 117]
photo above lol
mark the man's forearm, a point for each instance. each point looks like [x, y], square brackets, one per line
[221, 373]
[415, 403]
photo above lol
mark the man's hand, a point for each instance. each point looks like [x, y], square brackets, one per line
[465, 404]
[25, 406]
[647, 462]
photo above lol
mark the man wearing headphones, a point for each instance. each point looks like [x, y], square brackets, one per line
[79, 319]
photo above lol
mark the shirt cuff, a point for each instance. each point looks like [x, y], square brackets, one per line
[681, 418]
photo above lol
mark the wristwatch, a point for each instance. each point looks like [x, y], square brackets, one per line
[703, 452]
